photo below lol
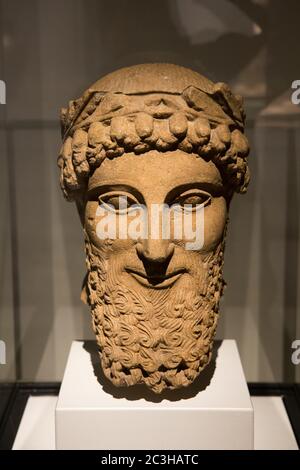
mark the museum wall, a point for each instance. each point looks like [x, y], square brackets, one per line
[52, 51]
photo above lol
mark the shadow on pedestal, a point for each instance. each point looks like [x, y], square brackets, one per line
[136, 392]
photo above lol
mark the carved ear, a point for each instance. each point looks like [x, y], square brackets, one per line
[84, 292]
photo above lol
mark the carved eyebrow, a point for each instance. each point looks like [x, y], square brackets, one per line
[100, 189]
[215, 189]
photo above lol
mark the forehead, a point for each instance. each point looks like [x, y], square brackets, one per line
[153, 170]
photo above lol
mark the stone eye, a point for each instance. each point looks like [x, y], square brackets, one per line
[119, 202]
[194, 199]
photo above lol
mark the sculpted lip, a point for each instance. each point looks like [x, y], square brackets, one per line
[156, 281]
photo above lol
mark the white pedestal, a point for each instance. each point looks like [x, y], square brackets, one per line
[215, 412]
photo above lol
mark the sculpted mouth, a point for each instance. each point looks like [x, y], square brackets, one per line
[156, 281]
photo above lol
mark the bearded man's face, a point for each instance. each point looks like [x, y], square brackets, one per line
[154, 302]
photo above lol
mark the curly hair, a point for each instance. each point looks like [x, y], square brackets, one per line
[205, 120]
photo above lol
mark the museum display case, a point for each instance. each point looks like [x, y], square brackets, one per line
[154, 134]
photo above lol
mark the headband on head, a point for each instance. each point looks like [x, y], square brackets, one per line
[207, 120]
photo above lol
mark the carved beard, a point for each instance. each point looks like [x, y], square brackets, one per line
[160, 337]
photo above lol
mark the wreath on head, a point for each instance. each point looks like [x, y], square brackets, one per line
[206, 121]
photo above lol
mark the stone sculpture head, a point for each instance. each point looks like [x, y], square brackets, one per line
[157, 134]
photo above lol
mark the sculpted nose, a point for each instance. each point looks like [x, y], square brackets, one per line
[155, 251]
